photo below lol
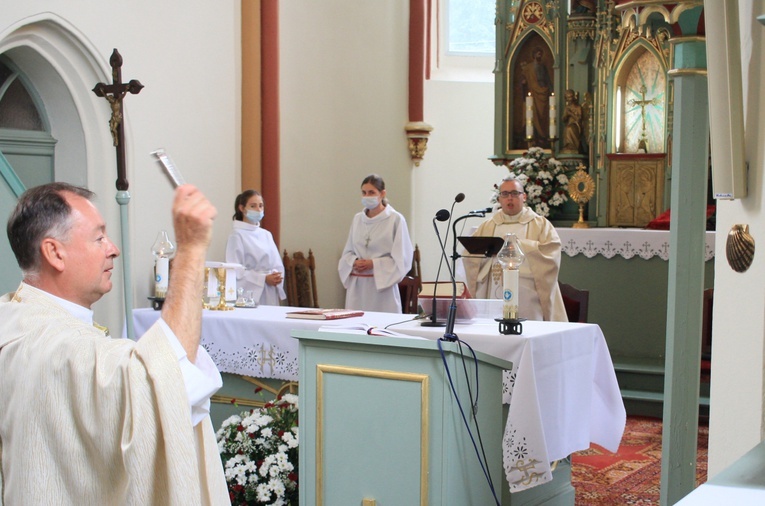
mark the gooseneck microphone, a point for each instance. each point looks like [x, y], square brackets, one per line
[449, 335]
[441, 215]
[480, 212]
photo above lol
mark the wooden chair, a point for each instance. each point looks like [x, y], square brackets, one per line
[300, 279]
[408, 287]
[706, 324]
[416, 271]
[576, 302]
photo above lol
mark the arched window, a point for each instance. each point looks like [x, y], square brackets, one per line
[25, 139]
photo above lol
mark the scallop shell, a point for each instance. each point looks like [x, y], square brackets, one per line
[739, 248]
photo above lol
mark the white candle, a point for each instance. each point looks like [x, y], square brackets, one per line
[553, 117]
[510, 293]
[161, 277]
[529, 116]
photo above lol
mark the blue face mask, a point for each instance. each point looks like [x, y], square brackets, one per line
[255, 216]
[370, 202]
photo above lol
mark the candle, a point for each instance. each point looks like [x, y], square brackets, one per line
[553, 117]
[510, 293]
[529, 116]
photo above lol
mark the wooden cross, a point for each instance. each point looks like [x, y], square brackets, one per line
[643, 143]
[114, 93]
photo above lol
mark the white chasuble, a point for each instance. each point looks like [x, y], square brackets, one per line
[539, 297]
[385, 240]
[254, 247]
[86, 419]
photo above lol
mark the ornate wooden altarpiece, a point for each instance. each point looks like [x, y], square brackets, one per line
[591, 86]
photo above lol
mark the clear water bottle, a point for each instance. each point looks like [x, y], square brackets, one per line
[163, 251]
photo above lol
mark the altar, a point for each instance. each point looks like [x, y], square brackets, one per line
[561, 393]
[625, 271]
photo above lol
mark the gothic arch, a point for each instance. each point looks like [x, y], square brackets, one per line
[523, 54]
[62, 67]
[652, 74]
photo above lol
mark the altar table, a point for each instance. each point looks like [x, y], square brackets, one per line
[624, 242]
[562, 393]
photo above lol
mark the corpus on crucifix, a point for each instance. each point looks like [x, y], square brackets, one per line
[643, 143]
[114, 93]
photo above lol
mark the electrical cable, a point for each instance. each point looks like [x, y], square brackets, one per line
[481, 461]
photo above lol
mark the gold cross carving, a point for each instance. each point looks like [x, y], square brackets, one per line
[643, 143]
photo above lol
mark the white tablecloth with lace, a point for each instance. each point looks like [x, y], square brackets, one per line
[562, 391]
[624, 242]
[256, 342]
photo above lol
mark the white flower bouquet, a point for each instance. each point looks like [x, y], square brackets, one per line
[259, 450]
[543, 178]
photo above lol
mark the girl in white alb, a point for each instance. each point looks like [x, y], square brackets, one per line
[377, 254]
[252, 246]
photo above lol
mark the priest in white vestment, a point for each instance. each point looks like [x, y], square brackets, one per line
[253, 247]
[377, 254]
[539, 297]
[85, 418]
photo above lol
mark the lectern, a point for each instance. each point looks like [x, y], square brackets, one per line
[379, 424]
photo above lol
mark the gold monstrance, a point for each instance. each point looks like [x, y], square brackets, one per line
[581, 188]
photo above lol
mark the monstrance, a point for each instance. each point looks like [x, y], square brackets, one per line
[581, 188]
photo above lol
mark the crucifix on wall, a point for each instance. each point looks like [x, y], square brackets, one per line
[114, 93]
[643, 103]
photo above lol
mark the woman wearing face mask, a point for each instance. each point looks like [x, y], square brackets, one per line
[252, 246]
[378, 253]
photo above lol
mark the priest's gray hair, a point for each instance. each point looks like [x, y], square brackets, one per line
[41, 212]
[513, 177]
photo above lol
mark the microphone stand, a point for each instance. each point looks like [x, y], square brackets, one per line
[449, 335]
[441, 215]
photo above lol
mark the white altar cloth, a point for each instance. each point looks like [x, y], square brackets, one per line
[624, 242]
[562, 391]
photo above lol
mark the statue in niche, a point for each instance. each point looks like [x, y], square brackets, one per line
[572, 123]
[536, 79]
[583, 7]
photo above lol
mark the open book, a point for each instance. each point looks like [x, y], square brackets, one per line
[363, 328]
[324, 314]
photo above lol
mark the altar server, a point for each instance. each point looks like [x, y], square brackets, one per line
[378, 253]
[540, 297]
[86, 419]
[253, 246]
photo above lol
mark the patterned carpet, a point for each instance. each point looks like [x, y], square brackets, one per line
[632, 475]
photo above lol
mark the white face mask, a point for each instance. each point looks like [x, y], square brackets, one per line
[255, 216]
[370, 202]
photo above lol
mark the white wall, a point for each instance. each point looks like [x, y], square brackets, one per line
[187, 55]
[736, 415]
[343, 110]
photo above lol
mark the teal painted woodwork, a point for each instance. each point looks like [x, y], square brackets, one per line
[378, 421]
[628, 299]
[690, 55]
[10, 189]
[686, 283]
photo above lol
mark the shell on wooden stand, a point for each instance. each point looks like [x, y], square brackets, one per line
[739, 248]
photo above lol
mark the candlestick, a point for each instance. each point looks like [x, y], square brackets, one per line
[553, 117]
[529, 116]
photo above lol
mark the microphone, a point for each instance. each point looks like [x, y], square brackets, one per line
[449, 335]
[441, 215]
[481, 212]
